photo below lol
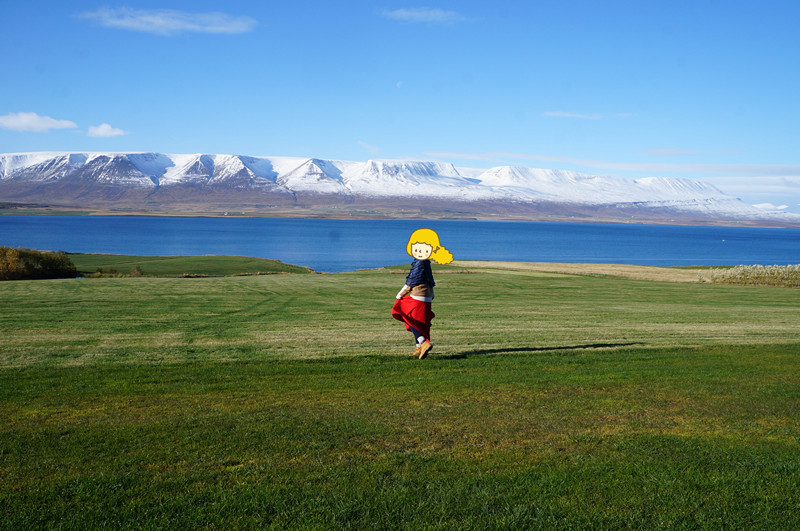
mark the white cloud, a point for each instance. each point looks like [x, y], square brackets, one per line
[104, 131]
[426, 15]
[32, 122]
[770, 206]
[170, 21]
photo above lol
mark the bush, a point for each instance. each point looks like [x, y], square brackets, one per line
[755, 275]
[102, 272]
[26, 264]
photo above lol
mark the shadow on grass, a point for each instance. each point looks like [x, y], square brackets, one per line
[507, 350]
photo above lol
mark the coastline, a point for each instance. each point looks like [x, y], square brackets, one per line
[27, 209]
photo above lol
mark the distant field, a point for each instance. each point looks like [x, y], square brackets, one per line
[551, 400]
[172, 266]
[634, 272]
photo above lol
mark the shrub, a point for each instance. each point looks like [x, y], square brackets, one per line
[25, 264]
[755, 275]
[101, 272]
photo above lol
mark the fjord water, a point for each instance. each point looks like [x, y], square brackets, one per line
[329, 245]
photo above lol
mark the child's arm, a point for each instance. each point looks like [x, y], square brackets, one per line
[403, 292]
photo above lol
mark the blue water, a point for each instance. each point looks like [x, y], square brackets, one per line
[345, 245]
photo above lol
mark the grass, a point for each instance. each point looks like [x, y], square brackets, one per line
[287, 401]
[173, 266]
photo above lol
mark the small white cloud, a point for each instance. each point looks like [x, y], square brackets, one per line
[32, 122]
[425, 15]
[104, 131]
[770, 206]
[169, 21]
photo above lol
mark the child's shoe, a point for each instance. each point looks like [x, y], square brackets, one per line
[416, 351]
[424, 349]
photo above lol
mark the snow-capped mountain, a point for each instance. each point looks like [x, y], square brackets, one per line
[316, 176]
[203, 182]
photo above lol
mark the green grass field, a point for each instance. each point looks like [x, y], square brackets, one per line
[288, 401]
[175, 266]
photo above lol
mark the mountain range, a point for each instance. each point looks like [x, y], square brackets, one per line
[205, 183]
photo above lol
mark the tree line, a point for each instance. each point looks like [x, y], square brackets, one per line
[25, 264]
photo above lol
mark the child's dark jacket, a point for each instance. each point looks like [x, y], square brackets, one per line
[420, 280]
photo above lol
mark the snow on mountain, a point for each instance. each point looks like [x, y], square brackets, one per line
[534, 184]
[211, 170]
[409, 179]
[47, 167]
[315, 175]
[151, 164]
[13, 162]
[111, 169]
[431, 181]
[98, 168]
[230, 169]
[186, 169]
[261, 168]
[561, 185]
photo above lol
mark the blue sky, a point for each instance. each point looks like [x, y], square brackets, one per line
[699, 89]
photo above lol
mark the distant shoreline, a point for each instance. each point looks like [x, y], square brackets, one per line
[26, 209]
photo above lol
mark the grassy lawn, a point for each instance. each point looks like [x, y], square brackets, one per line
[551, 400]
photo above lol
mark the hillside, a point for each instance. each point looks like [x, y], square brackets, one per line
[185, 184]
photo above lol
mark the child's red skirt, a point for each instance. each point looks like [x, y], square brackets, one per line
[414, 313]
